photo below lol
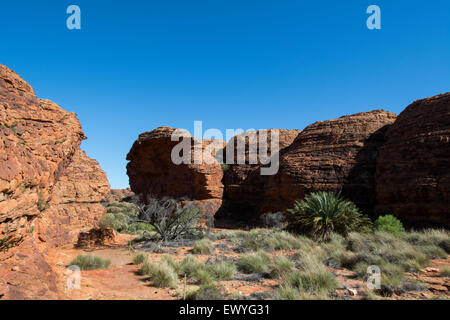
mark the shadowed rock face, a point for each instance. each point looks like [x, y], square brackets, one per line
[240, 194]
[151, 170]
[49, 189]
[413, 169]
[334, 155]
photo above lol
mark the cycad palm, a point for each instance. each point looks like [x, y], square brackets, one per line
[322, 213]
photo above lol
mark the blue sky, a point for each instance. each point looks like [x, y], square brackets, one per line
[137, 65]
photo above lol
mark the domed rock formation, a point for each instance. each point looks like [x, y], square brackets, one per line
[240, 195]
[152, 172]
[334, 155]
[49, 189]
[413, 168]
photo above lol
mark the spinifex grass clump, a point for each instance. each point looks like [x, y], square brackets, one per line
[254, 263]
[281, 266]
[322, 213]
[203, 246]
[201, 273]
[90, 262]
[207, 292]
[224, 270]
[263, 239]
[311, 281]
[393, 254]
[161, 274]
[139, 258]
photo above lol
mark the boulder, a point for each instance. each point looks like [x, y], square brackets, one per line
[413, 168]
[152, 172]
[96, 237]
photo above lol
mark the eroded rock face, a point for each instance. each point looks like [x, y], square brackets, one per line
[413, 168]
[49, 189]
[240, 194]
[333, 155]
[152, 172]
[74, 204]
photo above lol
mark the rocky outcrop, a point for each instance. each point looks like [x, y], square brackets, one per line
[151, 170]
[74, 204]
[334, 155]
[96, 237]
[49, 189]
[119, 195]
[240, 194]
[413, 168]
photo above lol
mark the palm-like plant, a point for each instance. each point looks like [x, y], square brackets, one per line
[322, 213]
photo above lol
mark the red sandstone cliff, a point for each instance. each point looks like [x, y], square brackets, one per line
[49, 189]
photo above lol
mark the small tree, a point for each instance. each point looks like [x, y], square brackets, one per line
[170, 219]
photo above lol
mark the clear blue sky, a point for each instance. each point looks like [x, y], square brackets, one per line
[137, 65]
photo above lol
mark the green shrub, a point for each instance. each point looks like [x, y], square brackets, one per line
[322, 213]
[139, 258]
[122, 216]
[90, 262]
[390, 224]
[203, 246]
[254, 263]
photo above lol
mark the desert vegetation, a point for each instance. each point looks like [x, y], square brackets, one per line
[300, 255]
[90, 262]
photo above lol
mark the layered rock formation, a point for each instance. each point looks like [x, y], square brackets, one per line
[152, 172]
[335, 155]
[241, 195]
[413, 168]
[49, 189]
